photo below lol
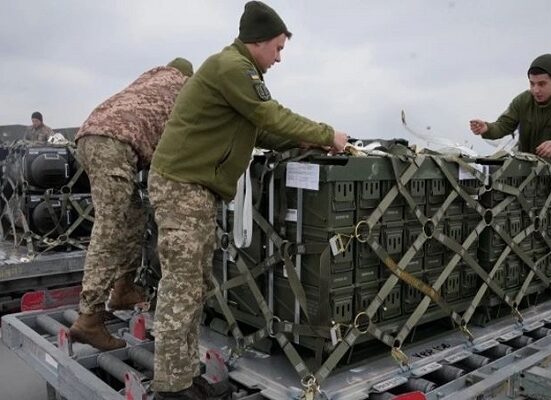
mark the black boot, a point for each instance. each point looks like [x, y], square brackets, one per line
[191, 393]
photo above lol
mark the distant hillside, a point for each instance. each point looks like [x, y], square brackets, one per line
[10, 133]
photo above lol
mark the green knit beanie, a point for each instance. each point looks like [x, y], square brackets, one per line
[260, 22]
[182, 65]
[542, 62]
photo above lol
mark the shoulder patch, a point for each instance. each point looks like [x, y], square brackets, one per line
[262, 91]
[253, 74]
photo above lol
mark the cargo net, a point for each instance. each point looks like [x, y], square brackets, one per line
[389, 241]
[45, 198]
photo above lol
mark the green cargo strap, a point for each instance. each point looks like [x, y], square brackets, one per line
[294, 282]
[79, 171]
[258, 270]
[82, 215]
[284, 248]
[230, 319]
[469, 312]
[472, 203]
[403, 179]
[267, 314]
[526, 259]
[292, 355]
[302, 329]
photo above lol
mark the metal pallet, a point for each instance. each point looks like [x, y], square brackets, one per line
[20, 273]
[80, 372]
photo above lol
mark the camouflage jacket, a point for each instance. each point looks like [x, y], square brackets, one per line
[40, 134]
[137, 114]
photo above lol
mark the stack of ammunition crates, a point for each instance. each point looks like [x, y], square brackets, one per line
[441, 199]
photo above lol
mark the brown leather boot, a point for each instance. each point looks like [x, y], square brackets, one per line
[90, 329]
[125, 294]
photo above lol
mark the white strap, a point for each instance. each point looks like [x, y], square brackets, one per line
[243, 213]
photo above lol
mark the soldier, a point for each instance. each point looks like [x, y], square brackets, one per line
[223, 112]
[117, 140]
[530, 111]
[38, 132]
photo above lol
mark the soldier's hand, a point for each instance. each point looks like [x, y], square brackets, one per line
[478, 126]
[340, 140]
[544, 149]
[308, 146]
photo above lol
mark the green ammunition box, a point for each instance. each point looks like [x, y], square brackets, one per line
[411, 297]
[470, 281]
[411, 233]
[340, 302]
[393, 238]
[437, 191]
[451, 289]
[366, 274]
[392, 306]
[433, 262]
[418, 190]
[513, 267]
[339, 272]
[363, 295]
[365, 256]
[333, 205]
[453, 228]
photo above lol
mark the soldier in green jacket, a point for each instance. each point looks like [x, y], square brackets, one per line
[222, 113]
[530, 112]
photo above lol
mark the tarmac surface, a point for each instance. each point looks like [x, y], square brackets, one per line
[17, 380]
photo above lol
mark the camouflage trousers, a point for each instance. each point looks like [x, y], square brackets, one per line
[185, 214]
[119, 218]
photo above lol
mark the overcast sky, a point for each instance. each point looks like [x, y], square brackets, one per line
[354, 64]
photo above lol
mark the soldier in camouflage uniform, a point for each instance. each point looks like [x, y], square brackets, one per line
[116, 140]
[38, 132]
[224, 111]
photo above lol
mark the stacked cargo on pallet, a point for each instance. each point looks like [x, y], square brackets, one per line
[384, 243]
[46, 201]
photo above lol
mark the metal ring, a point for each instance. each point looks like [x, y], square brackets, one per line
[308, 381]
[356, 325]
[284, 249]
[270, 326]
[358, 236]
[225, 241]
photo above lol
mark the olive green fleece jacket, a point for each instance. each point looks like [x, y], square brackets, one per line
[221, 114]
[532, 119]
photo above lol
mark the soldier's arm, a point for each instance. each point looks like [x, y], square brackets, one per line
[269, 141]
[250, 97]
[505, 124]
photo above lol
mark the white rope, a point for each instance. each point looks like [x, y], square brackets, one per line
[243, 212]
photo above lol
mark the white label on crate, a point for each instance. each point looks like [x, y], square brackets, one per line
[50, 360]
[303, 175]
[291, 215]
[464, 174]
[231, 206]
[336, 245]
